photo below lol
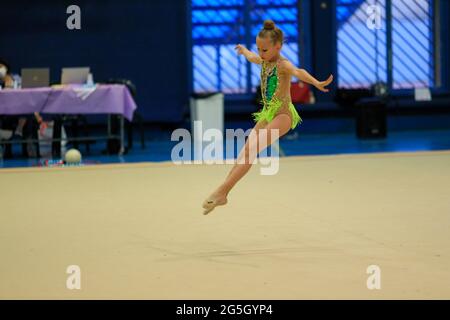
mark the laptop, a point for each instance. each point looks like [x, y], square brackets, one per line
[35, 77]
[75, 75]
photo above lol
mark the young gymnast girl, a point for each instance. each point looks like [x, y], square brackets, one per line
[277, 116]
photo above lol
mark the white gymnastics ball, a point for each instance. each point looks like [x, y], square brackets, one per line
[72, 156]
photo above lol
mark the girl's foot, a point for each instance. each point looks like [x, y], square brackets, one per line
[216, 199]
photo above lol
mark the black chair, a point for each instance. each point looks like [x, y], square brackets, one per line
[114, 144]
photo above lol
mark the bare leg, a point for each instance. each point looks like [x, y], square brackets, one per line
[243, 155]
[256, 143]
[219, 196]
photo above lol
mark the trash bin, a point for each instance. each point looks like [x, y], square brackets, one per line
[207, 112]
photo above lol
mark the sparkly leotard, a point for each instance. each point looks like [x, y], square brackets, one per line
[276, 97]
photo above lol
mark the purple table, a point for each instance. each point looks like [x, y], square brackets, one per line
[102, 99]
[107, 99]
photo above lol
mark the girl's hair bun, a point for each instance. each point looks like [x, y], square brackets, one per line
[269, 25]
[272, 32]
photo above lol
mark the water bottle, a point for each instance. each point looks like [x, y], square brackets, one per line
[90, 80]
[17, 84]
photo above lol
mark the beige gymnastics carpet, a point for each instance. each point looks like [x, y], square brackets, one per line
[136, 231]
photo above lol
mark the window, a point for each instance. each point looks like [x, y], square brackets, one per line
[363, 51]
[218, 25]
[412, 44]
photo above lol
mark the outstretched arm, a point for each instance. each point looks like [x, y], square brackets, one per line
[304, 76]
[250, 56]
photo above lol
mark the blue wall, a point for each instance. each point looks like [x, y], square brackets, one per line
[148, 41]
[144, 41]
[323, 43]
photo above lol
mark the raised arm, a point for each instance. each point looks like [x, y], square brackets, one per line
[304, 76]
[250, 56]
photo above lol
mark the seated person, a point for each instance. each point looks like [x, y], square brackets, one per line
[12, 127]
[6, 79]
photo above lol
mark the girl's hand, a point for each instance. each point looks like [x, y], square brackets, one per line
[250, 56]
[322, 84]
[240, 49]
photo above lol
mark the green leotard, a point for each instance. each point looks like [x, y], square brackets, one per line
[271, 103]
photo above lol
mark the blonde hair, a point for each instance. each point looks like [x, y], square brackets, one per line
[272, 32]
